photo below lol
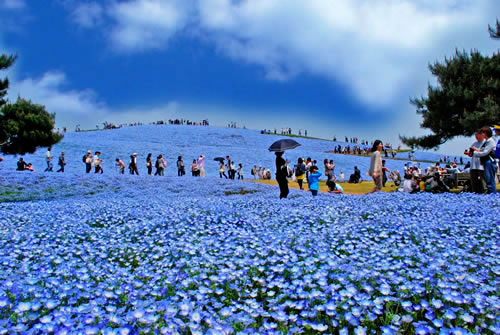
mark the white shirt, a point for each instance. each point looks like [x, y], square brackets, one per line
[48, 157]
[475, 163]
[489, 147]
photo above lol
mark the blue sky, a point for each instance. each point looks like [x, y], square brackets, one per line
[333, 67]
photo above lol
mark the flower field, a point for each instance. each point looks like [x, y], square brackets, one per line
[112, 254]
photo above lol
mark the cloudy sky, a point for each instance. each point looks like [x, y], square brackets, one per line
[333, 67]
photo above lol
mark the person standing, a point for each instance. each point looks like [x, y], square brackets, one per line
[133, 164]
[149, 163]
[48, 159]
[384, 173]
[300, 171]
[87, 159]
[240, 172]
[478, 184]
[61, 162]
[281, 174]
[180, 167]
[486, 154]
[194, 168]
[313, 180]
[376, 166]
[98, 162]
[201, 165]
[497, 149]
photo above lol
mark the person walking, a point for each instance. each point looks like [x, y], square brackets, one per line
[221, 169]
[281, 174]
[48, 160]
[87, 159]
[120, 165]
[229, 168]
[201, 165]
[486, 154]
[133, 164]
[180, 167]
[159, 165]
[314, 180]
[300, 171]
[477, 181]
[97, 163]
[61, 162]
[149, 163]
[375, 170]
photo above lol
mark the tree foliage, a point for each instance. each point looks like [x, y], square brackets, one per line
[5, 62]
[24, 126]
[495, 31]
[466, 98]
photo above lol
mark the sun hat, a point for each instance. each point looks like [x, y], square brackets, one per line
[134, 154]
[89, 152]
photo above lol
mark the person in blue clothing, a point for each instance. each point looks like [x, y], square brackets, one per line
[313, 180]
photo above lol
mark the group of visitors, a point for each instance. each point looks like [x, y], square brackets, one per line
[305, 170]
[233, 171]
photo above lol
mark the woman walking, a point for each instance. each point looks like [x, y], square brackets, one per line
[222, 172]
[160, 165]
[376, 166]
[62, 162]
[149, 163]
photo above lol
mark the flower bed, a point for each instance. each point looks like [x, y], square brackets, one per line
[189, 255]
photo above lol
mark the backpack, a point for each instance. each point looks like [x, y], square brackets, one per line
[253, 172]
[300, 170]
[84, 159]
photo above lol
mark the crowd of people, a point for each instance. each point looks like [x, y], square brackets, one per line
[483, 168]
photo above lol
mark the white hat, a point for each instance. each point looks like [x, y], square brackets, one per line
[89, 152]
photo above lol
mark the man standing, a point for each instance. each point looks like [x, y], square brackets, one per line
[486, 153]
[281, 174]
[48, 159]
[477, 169]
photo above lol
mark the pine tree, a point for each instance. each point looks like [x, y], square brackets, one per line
[5, 63]
[24, 126]
[466, 98]
[495, 32]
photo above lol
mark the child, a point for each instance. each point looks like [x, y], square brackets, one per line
[334, 187]
[240, 171]
[313, 180]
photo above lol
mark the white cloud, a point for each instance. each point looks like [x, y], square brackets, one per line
[378, 48]
[146, 24]
[88, 14]
[12, 4]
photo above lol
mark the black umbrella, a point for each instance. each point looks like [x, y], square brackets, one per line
[282, 145]
[219, 159]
